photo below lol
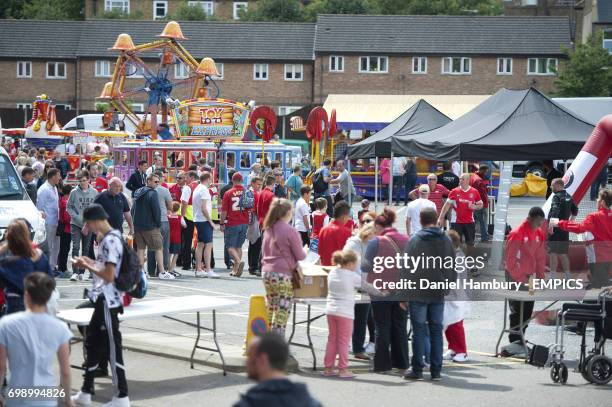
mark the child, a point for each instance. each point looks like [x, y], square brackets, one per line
[320, 218]
[340, 311]
[63, 231]
[175, 221]
[365, 208]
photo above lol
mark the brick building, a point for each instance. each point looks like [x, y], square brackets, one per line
[289, 65]
[161, 9]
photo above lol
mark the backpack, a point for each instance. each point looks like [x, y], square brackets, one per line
[131, 278]
[319, 185]
[247, 200]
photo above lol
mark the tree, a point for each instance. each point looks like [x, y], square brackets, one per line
[275, 10]
[588, 71]
[50, 10]
[435, 7]
[186, 12]
[336, 7]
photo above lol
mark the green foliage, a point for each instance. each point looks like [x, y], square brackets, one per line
[588, 71]
[185, 12]
[275, 10]
[120, 15]
[336, 7]
[45, 9]
[102, 107]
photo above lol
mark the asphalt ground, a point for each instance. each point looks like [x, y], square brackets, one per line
[483, 380]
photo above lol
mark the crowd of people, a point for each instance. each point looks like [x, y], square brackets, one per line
[172, 226]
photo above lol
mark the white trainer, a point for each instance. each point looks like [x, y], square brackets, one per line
[448, 355]
[370, 348]
[86, 276]
[118, 402]
[74, 277]
[166, 276]
[201, 274]
[81, 399]
[460, 357]
[212, 274]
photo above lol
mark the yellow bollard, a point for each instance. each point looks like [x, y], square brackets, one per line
[258, 323]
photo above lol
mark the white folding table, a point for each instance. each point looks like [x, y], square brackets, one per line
[164, 307]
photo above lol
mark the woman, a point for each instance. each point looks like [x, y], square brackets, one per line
[390, 316]
[281, 250]
[43, 177]
[23, 259]
[385, 177]
[363, 318]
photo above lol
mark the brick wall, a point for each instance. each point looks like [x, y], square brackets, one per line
[401, 80]
[24, 90]
[223, 9]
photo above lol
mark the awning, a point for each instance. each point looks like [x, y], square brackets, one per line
[592, 109]
[374, 112]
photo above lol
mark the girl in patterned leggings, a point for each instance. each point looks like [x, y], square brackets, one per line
[281, 250]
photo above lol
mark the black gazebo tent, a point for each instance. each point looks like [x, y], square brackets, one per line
[510, 125]
[418, 118]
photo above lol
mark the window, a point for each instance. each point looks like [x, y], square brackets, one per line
[239, 5]
[245, 160]
[504, 66]
[24, 69]
[285, 110]
[207, 6]
[419, 65]
[24, 105]
[607, 40]
[220, 70]
[260, 72]
[103, 69]
[336, 63]
[294, 72]
[134, 71]
[529, 2]
[117, 5]
[181, 71]
[541, 66]
[60, 106]
[160, 9]
[56, 70]
[374, 64]
[456, 66]
[137, 107]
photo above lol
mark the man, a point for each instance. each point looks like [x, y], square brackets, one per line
[413, 212]
[479, 182]
[187, 214]
[103, 336]
[234, 223]
[333, 236]
[563, 208]
[264, 200]
[139, 178]
[437, 192]
[254, 251]
[267, 357]
[294, 184]
[48, 203]
[398, 166]
[61, 163]
[551, 173]
[465, 200]
[320, 185]
[116, 205]
[226, 257]
[177, 189]
[165, 205]
[29, 341]
[255, 172]
[157, 165]
[340, 148]
[27, 177]
[301, 219]
[202, 219]
[426, 306]
[525, 258]
[410, 177]
[146, 213]
[280, 191]
[448, 178]
[98, 182]
[345, 182]
[80, 198]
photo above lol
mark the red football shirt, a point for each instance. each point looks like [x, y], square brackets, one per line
[174, 222]
[231, 207]
[462, 199]
[331, 238]
[100, 184]
[264, 199]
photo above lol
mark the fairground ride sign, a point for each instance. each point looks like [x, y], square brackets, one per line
[210, 118]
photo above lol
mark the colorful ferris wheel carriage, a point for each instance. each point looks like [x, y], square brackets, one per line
[159, 84]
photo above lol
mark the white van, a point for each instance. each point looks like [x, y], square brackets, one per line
[16, 203]
[93, 121]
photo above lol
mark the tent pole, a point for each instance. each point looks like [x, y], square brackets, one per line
[350, 197]
[391, 182]
[376, 185]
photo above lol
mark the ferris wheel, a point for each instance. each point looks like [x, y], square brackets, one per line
[156, 85]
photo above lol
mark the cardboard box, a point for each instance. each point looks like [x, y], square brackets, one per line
[314, 281]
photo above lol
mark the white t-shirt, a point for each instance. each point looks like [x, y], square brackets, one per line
[199, 194]
[456, 168]
[111, 251]
[185, 193]
[301, 209]
[341, 285]
[414, 213]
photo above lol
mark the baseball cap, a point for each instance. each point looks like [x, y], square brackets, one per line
[237, 177]
[424, 188]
